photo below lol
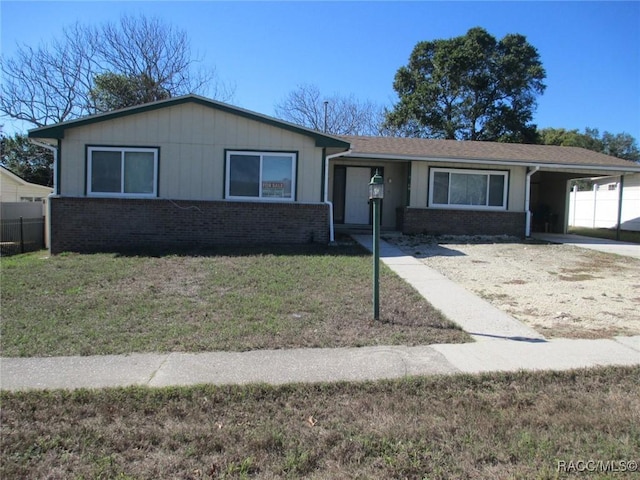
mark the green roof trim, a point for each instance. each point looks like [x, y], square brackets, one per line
[57, 130]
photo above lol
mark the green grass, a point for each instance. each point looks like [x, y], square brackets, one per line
[516, 425]
[239, 299]
[607, 233]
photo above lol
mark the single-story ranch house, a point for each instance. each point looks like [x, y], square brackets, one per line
[193, 172]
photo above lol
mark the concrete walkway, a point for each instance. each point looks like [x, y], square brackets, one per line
[476, 316]
[502, 344]
[599, 244]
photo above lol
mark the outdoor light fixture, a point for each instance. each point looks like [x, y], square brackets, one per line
[376, 187]
[376, 194]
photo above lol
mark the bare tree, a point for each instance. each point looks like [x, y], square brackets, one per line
[145, 48]
[46, 84]
[344, 115]
[56, 82]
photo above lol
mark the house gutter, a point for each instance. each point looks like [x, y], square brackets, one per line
[527, 200]
[620, 195]
[326, 191]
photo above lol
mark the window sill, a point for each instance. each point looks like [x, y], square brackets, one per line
[260, 200]
[478, 208]
[122, 195]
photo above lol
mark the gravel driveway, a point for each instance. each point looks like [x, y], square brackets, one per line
[559, 290]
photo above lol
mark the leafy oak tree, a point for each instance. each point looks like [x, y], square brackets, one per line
[30, 162]
[621, 145]
[571, 138]
[471, 87]
[112, 91]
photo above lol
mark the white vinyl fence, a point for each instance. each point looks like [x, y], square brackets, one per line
[598, 208]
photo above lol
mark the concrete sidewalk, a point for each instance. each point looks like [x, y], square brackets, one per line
[502, 344]
[312, 365]
[599, 244]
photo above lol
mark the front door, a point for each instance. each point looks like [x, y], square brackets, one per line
[356, 205]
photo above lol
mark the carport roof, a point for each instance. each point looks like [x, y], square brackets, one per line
[484, 152]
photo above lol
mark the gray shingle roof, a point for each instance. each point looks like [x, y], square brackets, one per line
[431, 149]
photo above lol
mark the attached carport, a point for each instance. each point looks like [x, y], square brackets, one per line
[550, 188]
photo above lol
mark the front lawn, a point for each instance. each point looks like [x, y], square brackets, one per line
[523, 425]
[230, 299]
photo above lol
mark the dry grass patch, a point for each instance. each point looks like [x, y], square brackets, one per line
[558, 290]
[516, 425]
[229, 299]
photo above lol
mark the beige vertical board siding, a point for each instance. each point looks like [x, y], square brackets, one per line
[394, 192]
[212, 178]
[184, 178]
[517, 186]
[419, 184]
[72, 164]
[162, 128]
[192, 139]
[309, 174]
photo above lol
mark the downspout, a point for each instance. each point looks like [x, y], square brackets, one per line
[527, 201]
[326, 191]
[620, 195]
[55, 186]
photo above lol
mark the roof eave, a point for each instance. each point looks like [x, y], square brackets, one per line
[521, 163]
[57, 131]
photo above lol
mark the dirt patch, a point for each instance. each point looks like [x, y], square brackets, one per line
[559, 290]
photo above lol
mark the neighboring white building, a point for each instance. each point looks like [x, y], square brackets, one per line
[15, 189]
[599, 207]
[19, 198]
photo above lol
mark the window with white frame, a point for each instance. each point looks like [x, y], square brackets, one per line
[122, 171]
[261, 176]
[471, 189]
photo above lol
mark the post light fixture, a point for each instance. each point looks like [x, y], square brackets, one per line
[376, 187]
[376, 194]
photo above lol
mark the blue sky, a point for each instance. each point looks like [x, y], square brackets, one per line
[590, 50]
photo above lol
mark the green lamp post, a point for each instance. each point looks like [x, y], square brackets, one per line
[376, 194]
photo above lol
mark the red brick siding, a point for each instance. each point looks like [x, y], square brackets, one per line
[114, 224]
[460, 222]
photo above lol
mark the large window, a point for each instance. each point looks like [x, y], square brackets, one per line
[127, 172]
[261, 175]
[473, 189]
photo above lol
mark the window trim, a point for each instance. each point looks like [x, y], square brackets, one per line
[123, 150]
[261, 153]
[469, 171]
